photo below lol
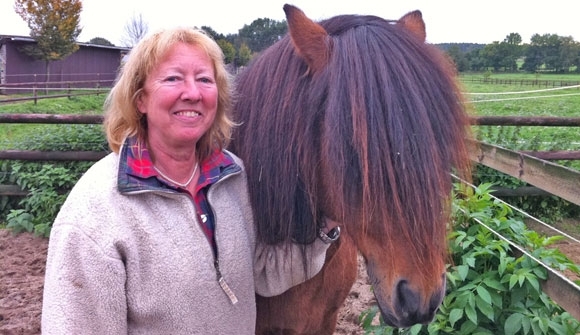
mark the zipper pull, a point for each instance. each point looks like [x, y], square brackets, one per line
[225, 287]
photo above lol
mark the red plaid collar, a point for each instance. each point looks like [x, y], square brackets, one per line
[136, 162]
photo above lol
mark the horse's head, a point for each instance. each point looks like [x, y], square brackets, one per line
[357, 119]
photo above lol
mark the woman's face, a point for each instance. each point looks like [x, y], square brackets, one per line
[180, 98]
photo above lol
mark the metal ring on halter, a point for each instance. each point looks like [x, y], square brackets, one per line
[329, 237]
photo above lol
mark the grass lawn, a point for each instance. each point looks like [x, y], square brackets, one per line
[13, 133]
[518, 100]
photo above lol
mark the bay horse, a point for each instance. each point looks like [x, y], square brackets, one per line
[356, 119]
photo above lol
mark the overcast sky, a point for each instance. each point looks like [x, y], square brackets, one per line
[446, 20]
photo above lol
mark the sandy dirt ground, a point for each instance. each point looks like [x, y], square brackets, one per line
[22, 262]
[22, 259]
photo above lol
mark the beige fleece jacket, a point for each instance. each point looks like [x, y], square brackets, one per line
[141, 264]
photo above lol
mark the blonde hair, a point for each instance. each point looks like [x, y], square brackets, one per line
[122, 119]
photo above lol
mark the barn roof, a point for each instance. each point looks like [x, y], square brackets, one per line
[29, 39]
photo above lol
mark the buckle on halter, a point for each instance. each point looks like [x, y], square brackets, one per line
[329, 237]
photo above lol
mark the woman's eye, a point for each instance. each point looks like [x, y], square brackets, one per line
[206, 80]
[172, 78]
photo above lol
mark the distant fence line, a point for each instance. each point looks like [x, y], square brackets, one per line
[33, 82]
[475, 120]
[77, 84]
[523, 82]
[43, 76]
[70, 89]
[68, 94]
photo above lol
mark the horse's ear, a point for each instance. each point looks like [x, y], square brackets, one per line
[413, 22]
[310, 40]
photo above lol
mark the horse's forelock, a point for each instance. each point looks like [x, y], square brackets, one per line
[393, 106]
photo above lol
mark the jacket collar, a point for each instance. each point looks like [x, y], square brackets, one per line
[136, 173]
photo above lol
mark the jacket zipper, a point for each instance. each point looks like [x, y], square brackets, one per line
[223, 284]
[220, 278]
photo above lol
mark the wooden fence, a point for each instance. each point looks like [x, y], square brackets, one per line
[61, 89]
[544, 175]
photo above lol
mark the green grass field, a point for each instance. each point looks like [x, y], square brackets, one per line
[518, 100]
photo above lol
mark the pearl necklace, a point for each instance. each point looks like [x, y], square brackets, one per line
[183, 185]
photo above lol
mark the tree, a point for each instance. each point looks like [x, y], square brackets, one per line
[569, 53]
[533, 58]
[551, 44]
[262, 33]
[513, 39]
[54, 24]
[475, 60]
[512, 50]
[228, 50]
[135, 30]
[244, 55]
[227, 47]
[492, 55]
[458, 58]
[215, 35]
[553, 52]
[101, 41]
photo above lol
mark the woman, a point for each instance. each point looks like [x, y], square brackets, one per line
[158, 237]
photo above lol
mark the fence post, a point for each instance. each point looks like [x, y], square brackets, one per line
[34, 93]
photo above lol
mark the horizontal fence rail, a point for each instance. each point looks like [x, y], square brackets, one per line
[555, 155]
[479, 120]
[565, 293]
[51, 118]
[32, 155]
[475, 120]
[546, 121]
[553, 178]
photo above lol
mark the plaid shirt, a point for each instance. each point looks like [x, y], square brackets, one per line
[136, 169]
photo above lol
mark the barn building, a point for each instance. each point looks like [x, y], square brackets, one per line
[91, 65]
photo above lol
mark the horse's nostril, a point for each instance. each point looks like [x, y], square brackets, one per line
[407, 300]
[410, 306]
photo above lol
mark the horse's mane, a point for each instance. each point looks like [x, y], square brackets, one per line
[381, 126]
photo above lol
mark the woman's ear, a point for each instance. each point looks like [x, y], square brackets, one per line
[140, 104]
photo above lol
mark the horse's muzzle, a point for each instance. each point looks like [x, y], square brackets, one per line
[409, 308]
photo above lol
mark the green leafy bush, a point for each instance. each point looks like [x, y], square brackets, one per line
[47, 183]
[548, 208]
[491, 289]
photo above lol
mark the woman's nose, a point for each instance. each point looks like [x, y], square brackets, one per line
[191, 91]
